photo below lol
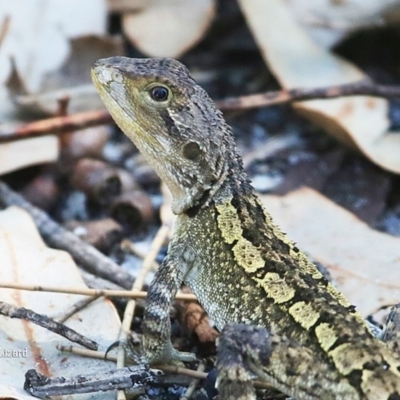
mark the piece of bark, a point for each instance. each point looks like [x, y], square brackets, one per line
[131, 378]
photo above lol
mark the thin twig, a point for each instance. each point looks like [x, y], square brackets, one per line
[194, 383]
[57, 125]
[156, 245]
[364, 87]
[75, 308]
[163, 367]
[134, 294]
[60, 125]
[55, 235]
[11, 311]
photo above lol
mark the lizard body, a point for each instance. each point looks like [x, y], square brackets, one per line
[225, 246]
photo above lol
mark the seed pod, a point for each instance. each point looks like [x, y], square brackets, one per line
[133, 210]
[42, 191]
[98, 180]
[102, 234]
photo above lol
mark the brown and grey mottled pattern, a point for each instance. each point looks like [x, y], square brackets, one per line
[310, 342]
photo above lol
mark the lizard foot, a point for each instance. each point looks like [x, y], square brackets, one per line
[156, 352]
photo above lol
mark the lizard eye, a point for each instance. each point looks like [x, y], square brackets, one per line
[159, 93]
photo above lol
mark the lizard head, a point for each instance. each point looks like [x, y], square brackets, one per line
[170, 119]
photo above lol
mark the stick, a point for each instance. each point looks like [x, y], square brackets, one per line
[60, 125]
[134, 294]
[133, 377]
[362, 88]
[11, 311]
[56, 125]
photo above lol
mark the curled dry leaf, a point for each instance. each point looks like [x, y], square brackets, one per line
[70, 80]
[25, 259]
[298, 62]
[364, 263]
[168, 28]
[37, 41]
[27, 152]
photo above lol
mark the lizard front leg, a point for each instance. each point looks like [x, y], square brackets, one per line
[156, 342]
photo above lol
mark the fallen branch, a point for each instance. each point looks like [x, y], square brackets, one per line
[364, 87]
[173, 369]
[67, 124]
[57, 125]
[11, 311]
[134, 378]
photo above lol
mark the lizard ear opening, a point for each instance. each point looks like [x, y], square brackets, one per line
[191, 151]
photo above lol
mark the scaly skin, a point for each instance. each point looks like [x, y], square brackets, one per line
[311, 343]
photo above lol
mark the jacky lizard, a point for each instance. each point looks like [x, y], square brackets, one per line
[294, 329]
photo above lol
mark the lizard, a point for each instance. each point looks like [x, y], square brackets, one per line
[280, 318]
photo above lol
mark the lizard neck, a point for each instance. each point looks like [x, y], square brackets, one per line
[232, 183]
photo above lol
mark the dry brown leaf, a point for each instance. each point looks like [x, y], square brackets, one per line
[168, 28]
[71, 79]
[25, 259]
[23, 153]
[298, 62]
[38, 39]
[364, 263]
[329, 21]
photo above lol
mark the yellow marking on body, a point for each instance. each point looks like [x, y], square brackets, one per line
[337, 295]
[276, 287]
[308, 268]
[371, 381]
[247, 255]
[349, 357]
[304, 314]
[326, 335]
[372, 384]
[229, 223]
